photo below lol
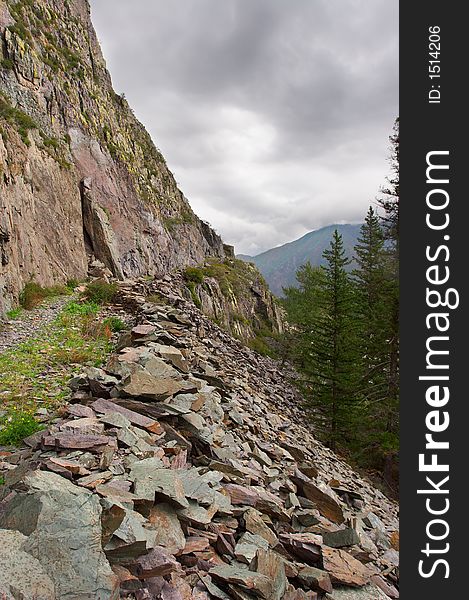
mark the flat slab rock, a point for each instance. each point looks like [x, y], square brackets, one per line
[22, 575]
[343, 568]
[369, 592]
[66, 520]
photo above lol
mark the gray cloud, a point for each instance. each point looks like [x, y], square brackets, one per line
[274, 115]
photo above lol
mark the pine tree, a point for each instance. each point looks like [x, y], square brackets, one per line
[389, 202]
[330, 364]
[373, 313]
[301, 304]
[371, 281]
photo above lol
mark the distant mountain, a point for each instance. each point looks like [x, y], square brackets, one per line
[279, 265]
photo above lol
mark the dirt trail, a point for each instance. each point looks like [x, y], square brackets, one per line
[30, 322]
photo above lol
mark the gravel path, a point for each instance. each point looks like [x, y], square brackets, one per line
[30, 322]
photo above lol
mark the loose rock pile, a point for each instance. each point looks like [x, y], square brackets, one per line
[183, 471]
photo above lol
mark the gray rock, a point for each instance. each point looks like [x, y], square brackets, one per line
[369, 592]
[258, 584]
[63, 523]
[165, 484]
[131, 539]
[21, 575]
[341, 538]
[248, 545]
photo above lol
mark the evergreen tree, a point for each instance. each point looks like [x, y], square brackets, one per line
[330, 362]
[389, 202]
[371, 281]
[301, 304]
[373, 313]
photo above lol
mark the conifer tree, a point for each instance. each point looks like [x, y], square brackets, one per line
[330, 364]
[371, 283]
[389, 202]
[374, 303]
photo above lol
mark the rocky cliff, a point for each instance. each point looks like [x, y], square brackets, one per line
[79, 175]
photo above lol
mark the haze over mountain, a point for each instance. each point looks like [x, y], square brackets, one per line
[279, 265]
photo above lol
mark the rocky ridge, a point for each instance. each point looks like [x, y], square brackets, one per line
[79, 174]
[183, 470]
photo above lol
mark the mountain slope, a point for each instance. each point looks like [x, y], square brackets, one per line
[279, 265]
[220, 492]
[79, 175]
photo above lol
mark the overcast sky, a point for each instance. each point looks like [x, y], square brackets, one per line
[273, 115]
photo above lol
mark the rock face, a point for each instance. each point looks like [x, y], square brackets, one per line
[220, 492]
[79, 175]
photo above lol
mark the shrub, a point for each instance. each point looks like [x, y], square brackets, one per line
[7, 63]
[194, 275]
[16, 426]
[16, 117]
[101, 292]
[114, 323]
[194, 295]
[33, 294]
[72, 284]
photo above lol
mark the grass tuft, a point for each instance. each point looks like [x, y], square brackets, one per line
[100, 292]
[17, 425]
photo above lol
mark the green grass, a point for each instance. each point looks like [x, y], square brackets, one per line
[16, 426]
[37, 371]
[114, 323]
[14, 313]
[22, 122]
[194, 274]
[100, 292]
[7, 63]
[33, 294]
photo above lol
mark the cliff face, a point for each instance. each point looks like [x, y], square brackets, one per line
[235, 295]
[79, 175]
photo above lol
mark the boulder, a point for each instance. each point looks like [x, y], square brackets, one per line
[63, 525]
[22, 575]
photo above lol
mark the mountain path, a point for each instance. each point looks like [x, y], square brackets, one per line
[30, 323]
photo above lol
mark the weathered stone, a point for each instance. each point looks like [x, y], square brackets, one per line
[157, 563]
[65, 520]
[341, 538]
[131, 539]
[80, 410]
[324, 502]
[75, 441]
[70, 465]
[315, 579]
[84, 426]
[164, 484]
[143, 384]
[242, 495]
[343, 568]
[106, 406]
[271, 565]
[369, 592]
[247, 547]
[127, 581]
[260, 585]
[255, 524]
[22, 575]
[197, 514]
[163, 519]
[306, 546]
[195, 544]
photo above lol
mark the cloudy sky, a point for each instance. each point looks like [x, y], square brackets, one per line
[273, 115]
